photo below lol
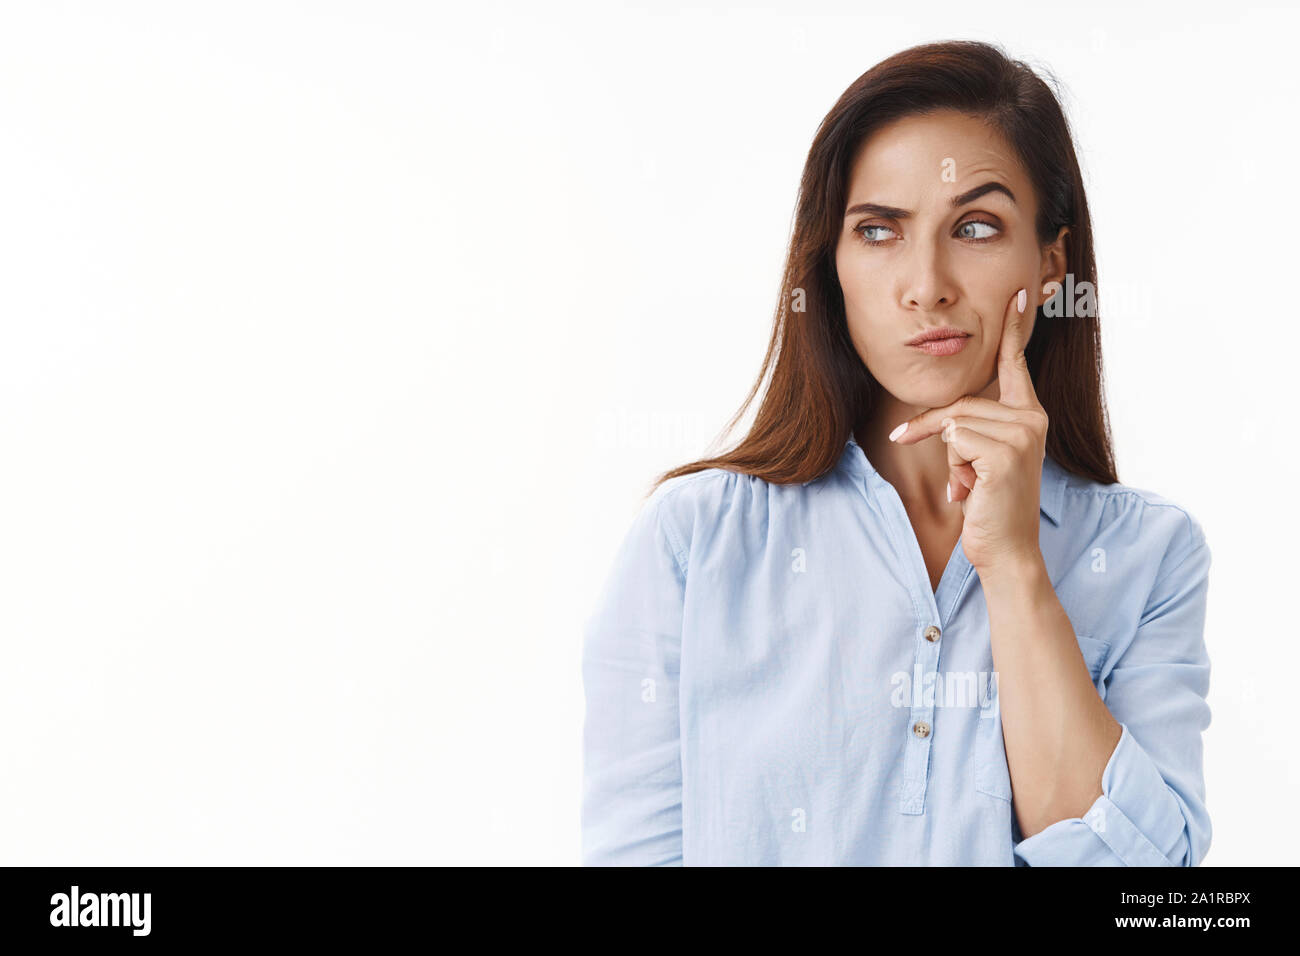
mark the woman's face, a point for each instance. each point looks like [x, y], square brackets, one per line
[910, 260]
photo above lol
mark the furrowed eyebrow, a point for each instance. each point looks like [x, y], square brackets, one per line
[875, 209]
[894, 212]
[978, 191]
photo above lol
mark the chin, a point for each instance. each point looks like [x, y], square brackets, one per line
[928, 394]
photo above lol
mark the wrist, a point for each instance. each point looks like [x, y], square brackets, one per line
[1021, 571]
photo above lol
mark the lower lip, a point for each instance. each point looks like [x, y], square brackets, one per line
[943, 346]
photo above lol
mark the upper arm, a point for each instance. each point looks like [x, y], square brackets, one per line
[631, 811]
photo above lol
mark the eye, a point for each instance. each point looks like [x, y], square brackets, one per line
[867, 233]
[972, 229]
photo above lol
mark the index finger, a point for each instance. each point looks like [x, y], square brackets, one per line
[1015, 387]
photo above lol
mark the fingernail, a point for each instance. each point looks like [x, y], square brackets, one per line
[1021, 299]
[947, 488]
[946, 434]
[898, 431]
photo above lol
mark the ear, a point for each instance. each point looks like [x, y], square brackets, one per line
[1053, 263]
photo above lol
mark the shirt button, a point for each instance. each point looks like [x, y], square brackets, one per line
[932, 633]
[921, 729]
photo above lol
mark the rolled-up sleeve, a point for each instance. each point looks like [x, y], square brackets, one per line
[632, 782]
[1152, 809]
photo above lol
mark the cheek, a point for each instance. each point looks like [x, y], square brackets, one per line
[864, 315]
[861, 288]
[848, 276]
[872, 317]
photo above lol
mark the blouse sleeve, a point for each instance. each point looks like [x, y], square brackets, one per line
[1152, 808]
[632, 781]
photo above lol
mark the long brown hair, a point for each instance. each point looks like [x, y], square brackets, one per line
[820, 390]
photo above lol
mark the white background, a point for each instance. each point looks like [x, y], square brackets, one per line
[341, 340]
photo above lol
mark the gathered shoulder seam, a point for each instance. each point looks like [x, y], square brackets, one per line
[675, 539]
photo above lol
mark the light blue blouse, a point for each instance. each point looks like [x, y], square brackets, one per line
[770, 680]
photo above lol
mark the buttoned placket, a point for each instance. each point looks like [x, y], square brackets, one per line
[933, 611]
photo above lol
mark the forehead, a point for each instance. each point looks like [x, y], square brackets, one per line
[904, 162]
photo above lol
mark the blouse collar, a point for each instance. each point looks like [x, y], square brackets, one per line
[1051, 486]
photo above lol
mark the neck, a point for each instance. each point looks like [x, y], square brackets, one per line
[919, 472]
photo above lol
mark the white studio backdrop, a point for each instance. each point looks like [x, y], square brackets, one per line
[341, 340]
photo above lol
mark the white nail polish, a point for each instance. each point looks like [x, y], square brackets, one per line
[898, 431]
[947, 488]
[1021, 299]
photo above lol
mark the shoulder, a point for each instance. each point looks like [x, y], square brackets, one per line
[1129, 516]
[710, 486]
[708, 504]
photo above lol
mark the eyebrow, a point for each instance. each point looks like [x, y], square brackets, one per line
[894, 212]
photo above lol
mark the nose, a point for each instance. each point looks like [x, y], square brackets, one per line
[926, 282]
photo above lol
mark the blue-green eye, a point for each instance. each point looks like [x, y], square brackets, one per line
[863, 232]
[968, 230]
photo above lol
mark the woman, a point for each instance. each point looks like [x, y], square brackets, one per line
[912, 618]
